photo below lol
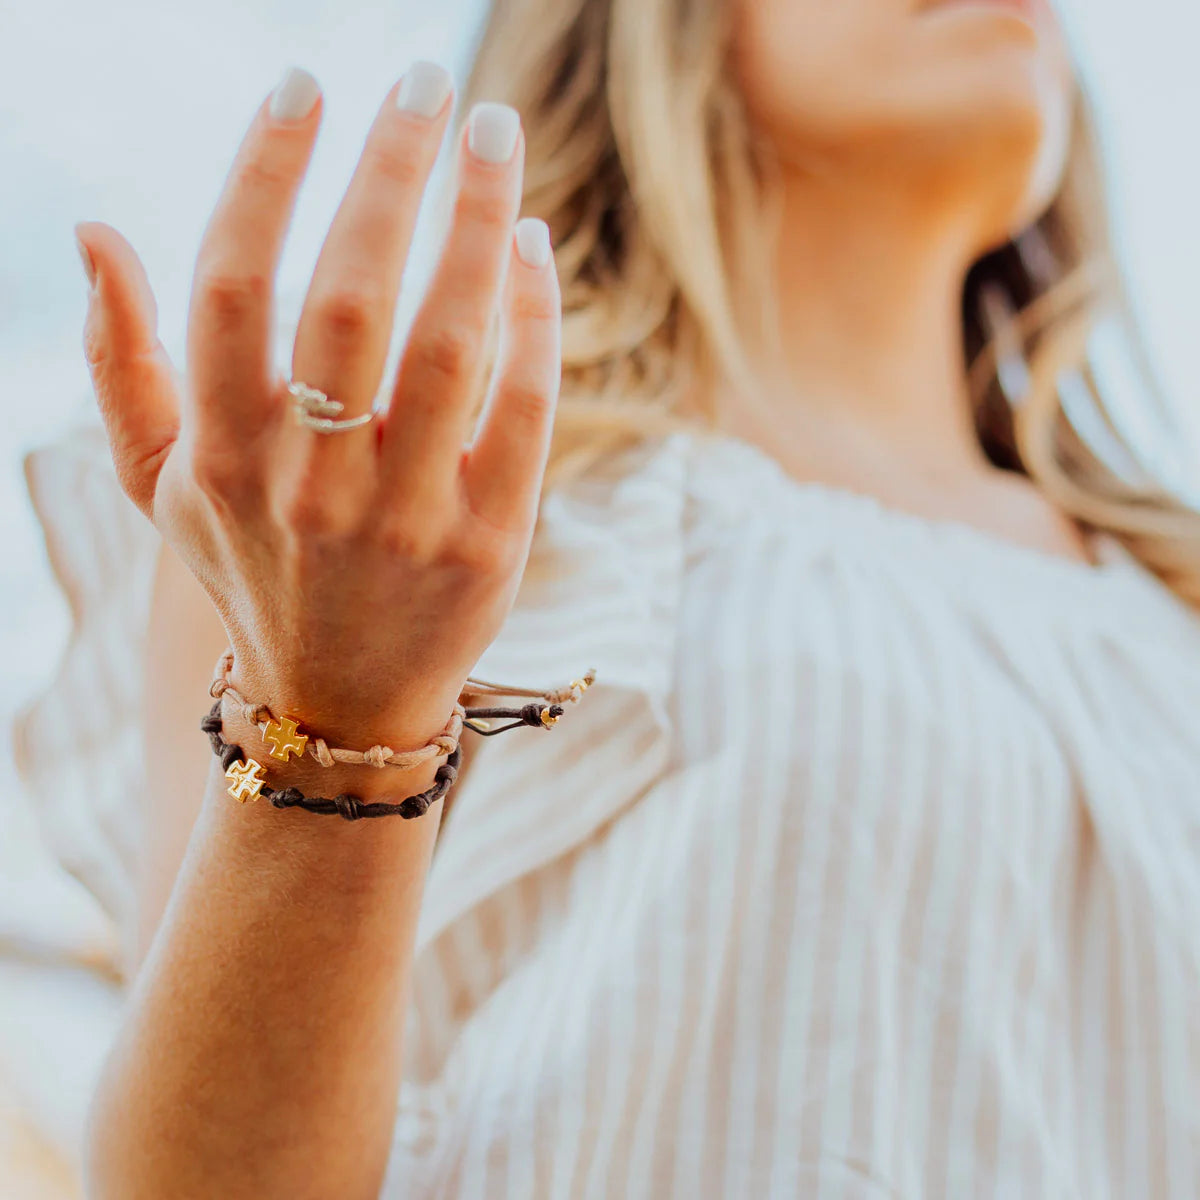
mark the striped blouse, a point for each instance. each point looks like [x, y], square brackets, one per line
[869, 866]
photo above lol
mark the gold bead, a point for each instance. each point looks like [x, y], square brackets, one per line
[285, 739]
[246, 780]
[547, 719]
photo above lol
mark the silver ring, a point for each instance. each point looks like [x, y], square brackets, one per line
[315, 410]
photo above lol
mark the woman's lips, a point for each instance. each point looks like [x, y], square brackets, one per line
[1034, 10]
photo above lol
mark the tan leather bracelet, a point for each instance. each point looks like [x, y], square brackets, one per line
[285, 738]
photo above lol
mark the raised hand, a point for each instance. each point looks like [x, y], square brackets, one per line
[359, 574]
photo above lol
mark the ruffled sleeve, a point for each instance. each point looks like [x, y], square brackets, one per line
[77, 745]
[600, 590]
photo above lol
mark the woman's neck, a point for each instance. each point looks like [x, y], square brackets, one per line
[870, 374]
[868, 389]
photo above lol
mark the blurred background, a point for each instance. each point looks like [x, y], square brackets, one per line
[130, 114]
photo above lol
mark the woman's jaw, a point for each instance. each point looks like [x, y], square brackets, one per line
[963, 105]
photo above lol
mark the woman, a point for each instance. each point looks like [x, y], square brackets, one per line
[869, 865]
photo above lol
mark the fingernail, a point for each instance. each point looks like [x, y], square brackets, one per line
[492, 131]
[533, 241]
[295, 95]
[89, 265]
[424, 89]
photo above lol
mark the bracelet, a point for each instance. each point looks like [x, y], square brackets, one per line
[285, 738]
[247, 778]
[247, 782]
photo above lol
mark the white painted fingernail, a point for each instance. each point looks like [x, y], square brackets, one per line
[533, 241]
[424, 88]
[89, 263]
[295, 95]
[492, 131]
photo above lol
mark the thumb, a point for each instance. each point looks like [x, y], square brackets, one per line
[134, 379]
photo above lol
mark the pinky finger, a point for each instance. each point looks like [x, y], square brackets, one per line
[507, 459]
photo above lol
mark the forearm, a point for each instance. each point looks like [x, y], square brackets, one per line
[358, 579]
[184, 638]
[260, 1054]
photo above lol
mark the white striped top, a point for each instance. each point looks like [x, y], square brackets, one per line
[869, 866]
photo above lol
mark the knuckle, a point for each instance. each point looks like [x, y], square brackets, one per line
[232, 297]
[348, 313]
[137, 467]
[449, 352]
[492, 551]
[524, 402]
[479, 560]
[409, 541]
[320, 515]
[128, 477]
[232, 486]
[265, 171]
[491, 547]
[214, 473]
[535, 306]
[487, 210]
[394, 164]
[316, 515]
[95, 346]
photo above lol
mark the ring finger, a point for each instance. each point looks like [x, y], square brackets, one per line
[440, 369]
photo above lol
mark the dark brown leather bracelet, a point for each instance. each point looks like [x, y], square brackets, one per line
[352, 808]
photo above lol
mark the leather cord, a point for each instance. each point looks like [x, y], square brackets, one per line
[350, 807]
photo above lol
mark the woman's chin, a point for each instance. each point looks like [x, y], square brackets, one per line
[987, 20]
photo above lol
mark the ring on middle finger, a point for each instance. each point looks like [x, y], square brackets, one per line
[314, 409]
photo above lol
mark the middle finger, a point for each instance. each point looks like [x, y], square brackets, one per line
[346, 323]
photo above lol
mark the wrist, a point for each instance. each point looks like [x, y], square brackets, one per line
[302, 742]
[313, 849]
[368, 782]
[352, 709]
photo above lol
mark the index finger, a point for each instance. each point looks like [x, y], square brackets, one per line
[229, 338]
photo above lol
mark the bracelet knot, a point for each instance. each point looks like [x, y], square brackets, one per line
[377, 756]
[347, 806]
[286, 738]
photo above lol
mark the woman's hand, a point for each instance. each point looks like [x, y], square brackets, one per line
[360, 574]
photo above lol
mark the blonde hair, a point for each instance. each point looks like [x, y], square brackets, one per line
[642, 161]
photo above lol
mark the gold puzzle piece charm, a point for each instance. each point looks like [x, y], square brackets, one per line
[246, 780]
[285, 738]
